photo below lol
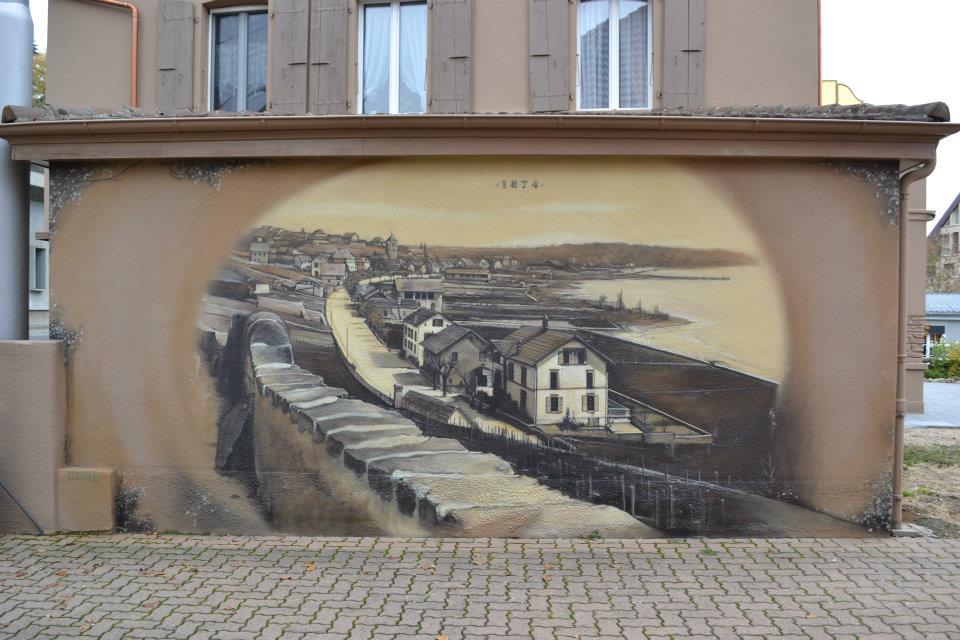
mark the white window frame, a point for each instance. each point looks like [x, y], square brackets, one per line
[241, 45]
[393, 100]
[614, 60]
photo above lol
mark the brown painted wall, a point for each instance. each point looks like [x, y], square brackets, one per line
[32, 414]
[88, 55]
[761, 52]
[132, 256]
[757, 52]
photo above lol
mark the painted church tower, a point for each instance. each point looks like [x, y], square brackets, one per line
[391, 245]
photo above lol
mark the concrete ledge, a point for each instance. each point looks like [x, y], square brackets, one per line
[33, 405]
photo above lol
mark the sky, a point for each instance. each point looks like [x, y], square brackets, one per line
[603, 200]
[890, 52]
[887, 51]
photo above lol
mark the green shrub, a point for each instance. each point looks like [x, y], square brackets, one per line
[944, 360]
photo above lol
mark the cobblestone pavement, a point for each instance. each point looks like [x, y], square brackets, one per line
[173, 586]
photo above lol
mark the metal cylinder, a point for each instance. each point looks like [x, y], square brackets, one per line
[16, 88]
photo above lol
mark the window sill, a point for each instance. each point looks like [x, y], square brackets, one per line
[617, 110]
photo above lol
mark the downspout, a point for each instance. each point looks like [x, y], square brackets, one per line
[911, 175]
[134, 46]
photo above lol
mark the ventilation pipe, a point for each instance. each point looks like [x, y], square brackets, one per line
[16, 88]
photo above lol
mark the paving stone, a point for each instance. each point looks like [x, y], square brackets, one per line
[133, 586]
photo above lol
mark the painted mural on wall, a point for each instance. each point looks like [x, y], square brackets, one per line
[483, 348]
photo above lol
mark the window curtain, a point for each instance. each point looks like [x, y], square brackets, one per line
[376, 58]
[257, 61]
[226, 61]
[593, 26]
[634, 75]
[413, 57]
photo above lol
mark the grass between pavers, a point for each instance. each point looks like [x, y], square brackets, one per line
[938, 455]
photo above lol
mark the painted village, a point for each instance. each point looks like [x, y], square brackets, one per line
[485, 345]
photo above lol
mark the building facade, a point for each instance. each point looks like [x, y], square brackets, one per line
[470, 57]
[515, 56]
[943, 318]
[944, 263]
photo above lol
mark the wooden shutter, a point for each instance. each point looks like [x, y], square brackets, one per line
[682, 53]
[290, 45]
[175, 54]
[549, 54]
[329, 24]
[451, 56]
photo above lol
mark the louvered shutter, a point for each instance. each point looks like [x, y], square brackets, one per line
[329, 24]
[290, 46]
[683, 26]
[451, 56]
[175, 54]
[549, 55]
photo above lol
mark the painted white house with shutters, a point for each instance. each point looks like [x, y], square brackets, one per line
[553, 376]
[416, 327]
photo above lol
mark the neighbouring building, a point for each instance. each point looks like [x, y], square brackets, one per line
[416, 327]
[331, 275]
[553, 376]
[38, 257]
[943, 318]
[456, 358]
[260, 251]
[944, 240]
[427, 292]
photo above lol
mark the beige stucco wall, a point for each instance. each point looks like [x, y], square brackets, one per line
[88, 55]
[140, 399]
[762, 52]
[756, 51]
[32, 419]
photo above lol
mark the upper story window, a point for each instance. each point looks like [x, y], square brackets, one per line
[238, 59]
[613, 63]
[393, 57]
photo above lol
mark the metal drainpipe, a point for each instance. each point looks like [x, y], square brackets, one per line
[16, 88]
[907, 177]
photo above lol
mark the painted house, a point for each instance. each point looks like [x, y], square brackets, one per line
[260, 251]
[427, 292]
[456, 358]
[331, 275]
[416, 327]
[344, 257]
[434, 409]
[302, 261]
[467, 274]
[943, 318]
[554, 376]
